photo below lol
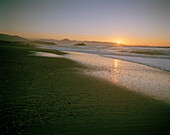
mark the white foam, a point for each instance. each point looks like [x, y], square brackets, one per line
[45, 54]
[161, 61]
[137, 77]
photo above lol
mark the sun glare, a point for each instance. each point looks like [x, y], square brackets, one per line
[118, 42]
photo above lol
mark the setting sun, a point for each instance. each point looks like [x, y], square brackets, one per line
[84, 67]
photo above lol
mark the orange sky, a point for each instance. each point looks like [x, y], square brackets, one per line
[132, 22]
[122, 40]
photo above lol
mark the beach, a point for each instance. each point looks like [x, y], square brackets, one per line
[133, 76]
[76, 93]
[132, 73]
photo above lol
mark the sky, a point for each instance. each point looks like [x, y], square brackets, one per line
[133, 22]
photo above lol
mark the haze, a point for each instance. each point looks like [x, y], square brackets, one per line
[133, 22]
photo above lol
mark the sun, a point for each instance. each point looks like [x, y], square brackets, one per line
[118, 42]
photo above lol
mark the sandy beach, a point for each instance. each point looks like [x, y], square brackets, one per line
[61, 95]
[137, 77]
[133, 76]
[85, 67]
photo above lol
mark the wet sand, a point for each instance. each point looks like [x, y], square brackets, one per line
[133, 76]
[48, 95]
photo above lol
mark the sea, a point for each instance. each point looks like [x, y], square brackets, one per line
[157, 57]
[145, 70]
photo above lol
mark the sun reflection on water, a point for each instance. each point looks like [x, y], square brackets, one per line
[133, 76]
[115, 71]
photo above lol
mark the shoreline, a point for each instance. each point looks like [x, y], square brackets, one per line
[163, 69]
[117, 56]
[145, 80]
[43, 95]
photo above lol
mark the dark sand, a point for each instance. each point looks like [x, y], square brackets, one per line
[43, 96]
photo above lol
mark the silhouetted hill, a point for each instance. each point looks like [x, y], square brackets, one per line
[43, 42]
[65, 42]
[98, 43]
[6, 37]
[72, 42]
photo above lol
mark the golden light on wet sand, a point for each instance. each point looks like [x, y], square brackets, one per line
[115, 71]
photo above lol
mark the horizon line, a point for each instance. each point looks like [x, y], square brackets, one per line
[114, 42]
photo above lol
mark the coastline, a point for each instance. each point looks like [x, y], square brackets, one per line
[138, 62]
[42, 95]
[140, 78]
[133, 76]
[122, 53]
